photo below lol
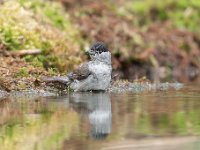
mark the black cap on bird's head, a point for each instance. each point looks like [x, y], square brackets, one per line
[98, 48]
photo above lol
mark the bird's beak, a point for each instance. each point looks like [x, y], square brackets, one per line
[89, 51]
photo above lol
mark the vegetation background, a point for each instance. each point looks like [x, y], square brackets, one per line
[148, 38]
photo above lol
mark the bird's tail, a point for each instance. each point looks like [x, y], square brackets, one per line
[59, 79]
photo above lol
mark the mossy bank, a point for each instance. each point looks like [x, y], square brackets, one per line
[38, 26]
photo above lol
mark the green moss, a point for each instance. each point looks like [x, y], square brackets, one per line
[23, 72]
[52, 71]
[22, 86]
[43, 25]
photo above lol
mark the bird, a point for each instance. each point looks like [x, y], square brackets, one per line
[94, 75]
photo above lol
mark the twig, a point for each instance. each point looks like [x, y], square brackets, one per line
[4, 67]
[26, 52]
[8, 71]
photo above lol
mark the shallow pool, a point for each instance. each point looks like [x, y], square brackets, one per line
[160, 119]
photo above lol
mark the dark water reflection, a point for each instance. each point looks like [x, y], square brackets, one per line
[149, 120]
[97, 108]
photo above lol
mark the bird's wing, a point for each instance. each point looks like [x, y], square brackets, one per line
[82, 72]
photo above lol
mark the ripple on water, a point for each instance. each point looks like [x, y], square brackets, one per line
[141, 87]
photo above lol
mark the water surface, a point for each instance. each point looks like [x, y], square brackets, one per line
[168, 119]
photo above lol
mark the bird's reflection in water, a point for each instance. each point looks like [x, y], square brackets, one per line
[97, 106]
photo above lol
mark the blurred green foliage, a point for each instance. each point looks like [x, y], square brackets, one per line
[183, 14]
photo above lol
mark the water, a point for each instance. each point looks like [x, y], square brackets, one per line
[148, 120]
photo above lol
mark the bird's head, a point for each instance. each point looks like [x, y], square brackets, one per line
[98, 48]
[99, 51]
